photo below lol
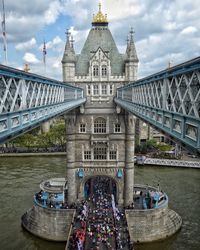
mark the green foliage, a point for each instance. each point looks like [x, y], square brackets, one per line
[44, 141]
[26, 140]
[164, 147]
[54, 138]
[58, 135]
[152, 145]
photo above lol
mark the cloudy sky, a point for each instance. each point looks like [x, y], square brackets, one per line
[165, 30]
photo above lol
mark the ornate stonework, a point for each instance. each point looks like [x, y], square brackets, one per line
[100, 137]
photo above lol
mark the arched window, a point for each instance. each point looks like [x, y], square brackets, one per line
[104, 70]
[100, 126]
[95, 70]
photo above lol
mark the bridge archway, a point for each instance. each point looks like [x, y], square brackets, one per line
[106, 183]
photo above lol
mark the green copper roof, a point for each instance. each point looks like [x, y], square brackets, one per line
[100, 37]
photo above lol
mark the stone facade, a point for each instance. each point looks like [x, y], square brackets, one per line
[100, 137]
[49, 224]
[152, 224]
[100, 141]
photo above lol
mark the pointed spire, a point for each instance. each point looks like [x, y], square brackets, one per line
[131, 34]
[131, 51]
[128, 44]
[68, 34]
[128, 40]
[69, 53]
[99, 7]
[26, 67]
[169, 64]
[72, 42]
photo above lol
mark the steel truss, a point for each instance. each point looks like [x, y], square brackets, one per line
[26, 100]
[168, 100]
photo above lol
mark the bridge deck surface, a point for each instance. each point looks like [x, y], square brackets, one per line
[99, 223]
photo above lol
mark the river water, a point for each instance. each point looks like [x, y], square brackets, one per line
[20, 178]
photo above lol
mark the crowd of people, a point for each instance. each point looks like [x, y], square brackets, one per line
[99, 222]
[52, 200]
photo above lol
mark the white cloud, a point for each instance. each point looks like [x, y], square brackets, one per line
[122, 9]
[57, 64]
[26, 45]
[30, 58]
[73, 31]
[52, 44]
[53, 68]
[56, 46]
[189, 30]
[25, 18]
[52, 13]
[160, 28]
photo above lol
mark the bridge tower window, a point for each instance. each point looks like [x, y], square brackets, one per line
[117, 128]
[96, 89]
[88, 89]
[87, 155]
[113, 155]
[104, 71]
[82, 128]
[111, 89]
[100, 126]
[95, 70]
[104, 89]
[100, 153]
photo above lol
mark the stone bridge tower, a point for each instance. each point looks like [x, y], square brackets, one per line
[100, 136]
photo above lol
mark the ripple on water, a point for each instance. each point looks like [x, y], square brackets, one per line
[20, 179]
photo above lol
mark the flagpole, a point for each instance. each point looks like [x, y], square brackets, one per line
[44, 57]
[3, 23]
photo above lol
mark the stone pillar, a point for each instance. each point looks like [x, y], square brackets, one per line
[149, 133]
[45, 127]
[71, 168]
[137, 131]
[129, 161]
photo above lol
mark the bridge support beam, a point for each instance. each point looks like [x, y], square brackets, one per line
[129, 163]
[71, 170]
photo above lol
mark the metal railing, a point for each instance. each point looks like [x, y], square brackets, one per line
[169, 101]
[27, 100]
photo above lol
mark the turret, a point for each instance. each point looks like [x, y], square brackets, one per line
[69, 60]
[131, 63]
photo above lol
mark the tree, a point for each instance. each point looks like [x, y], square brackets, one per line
[58, 135]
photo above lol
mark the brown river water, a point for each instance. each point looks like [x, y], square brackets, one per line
[20, 178]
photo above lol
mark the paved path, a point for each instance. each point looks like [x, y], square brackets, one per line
[170, 163]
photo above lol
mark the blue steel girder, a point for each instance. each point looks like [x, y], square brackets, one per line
[168, 100]
[27, 100]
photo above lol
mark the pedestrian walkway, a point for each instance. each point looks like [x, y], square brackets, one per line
[169, 163]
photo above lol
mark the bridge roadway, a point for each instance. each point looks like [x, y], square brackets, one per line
[99, 223]
[169, 101]
[27, 100]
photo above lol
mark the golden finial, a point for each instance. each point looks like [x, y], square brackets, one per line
[26, 67]
[100, 17]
